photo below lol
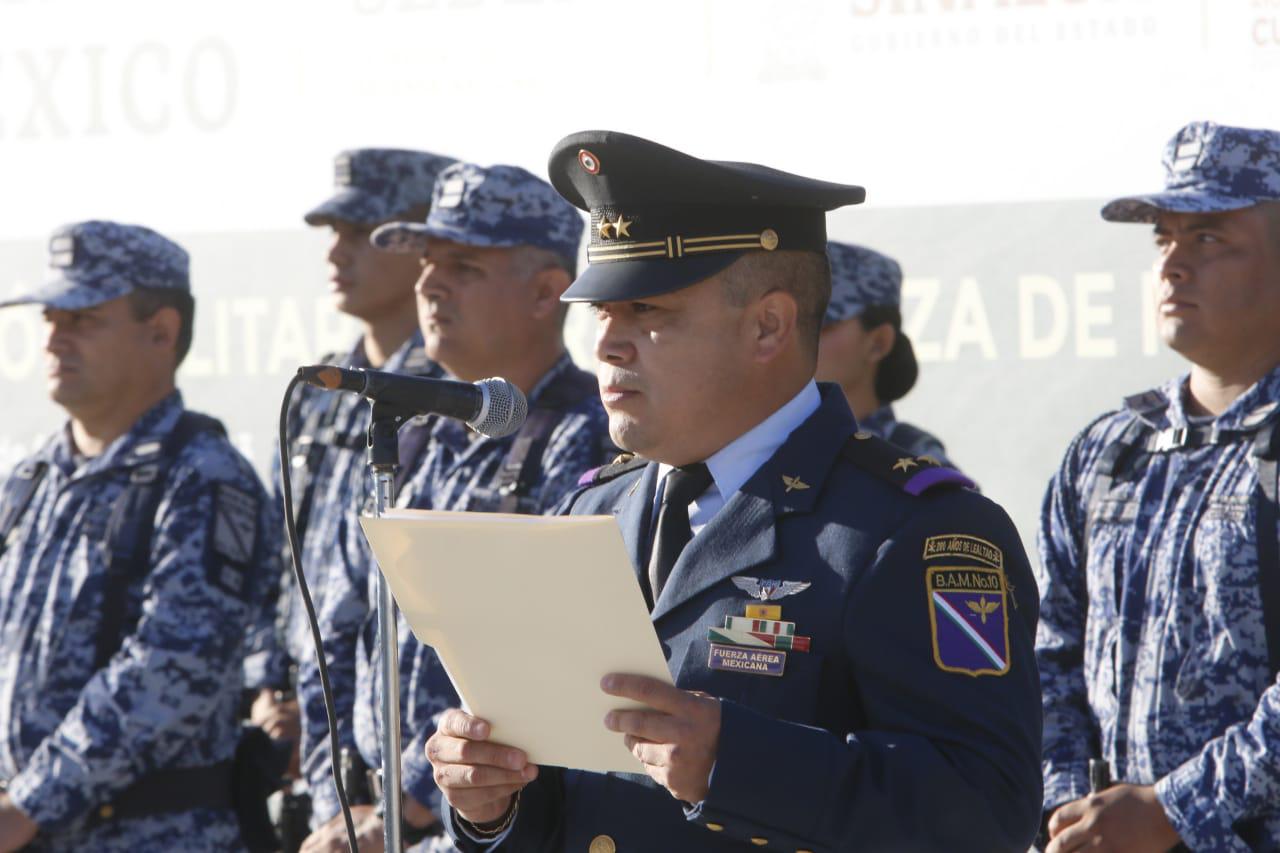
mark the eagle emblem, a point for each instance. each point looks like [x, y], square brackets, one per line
[983, 607]
[794, 483]
[768, 589]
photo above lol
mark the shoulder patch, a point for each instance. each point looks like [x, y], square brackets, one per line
[235, 524]
[621, 464]
[968, 599]
[914, 475]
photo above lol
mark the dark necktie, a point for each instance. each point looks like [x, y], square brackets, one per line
[673, 532]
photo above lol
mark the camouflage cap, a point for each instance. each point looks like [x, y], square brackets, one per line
[495, 206]
[1209, 168]
[860, 278]
[377, 184]
[96, 261]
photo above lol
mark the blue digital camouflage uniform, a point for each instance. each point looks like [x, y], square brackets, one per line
[341, 486]
[1152, 647]
[372, 186]
[74, 737]
[860, 278]
[501, 207]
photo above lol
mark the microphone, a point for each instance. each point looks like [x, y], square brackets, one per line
[492, 407]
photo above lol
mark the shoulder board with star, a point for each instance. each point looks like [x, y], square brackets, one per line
[914, 475]
[621, 464]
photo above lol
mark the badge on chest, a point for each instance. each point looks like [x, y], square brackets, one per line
[757, 642]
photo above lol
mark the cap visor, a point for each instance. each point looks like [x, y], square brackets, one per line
[1145, 208]
[405, 238]
[351, 205]
[64, 295]
[625, 281]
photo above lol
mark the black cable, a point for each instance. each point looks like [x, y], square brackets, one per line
[296, 550]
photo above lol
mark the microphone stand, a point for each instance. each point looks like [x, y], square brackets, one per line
[384, 459]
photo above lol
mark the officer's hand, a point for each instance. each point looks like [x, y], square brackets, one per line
[1125, 818]
[332, 837]
[676, 741]
[478, 778]
[279, 718]
[16, 829]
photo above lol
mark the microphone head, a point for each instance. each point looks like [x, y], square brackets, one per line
[503, 408]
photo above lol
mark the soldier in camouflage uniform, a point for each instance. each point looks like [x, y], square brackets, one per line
[137, 552]
[500, 248]
[863, 348]
[328, 431]
[1158, 642]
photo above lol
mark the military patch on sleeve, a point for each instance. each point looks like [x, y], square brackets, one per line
[968, 605]
[235, 524]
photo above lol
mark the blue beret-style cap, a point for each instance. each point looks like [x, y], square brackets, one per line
[860, 277]
[1209, 168]
[491, 206]
[662, 220]
[373, 185]
[95, 261]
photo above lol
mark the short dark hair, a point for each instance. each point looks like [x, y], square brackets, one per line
[804, 275]
[897, 372]
[144, 302]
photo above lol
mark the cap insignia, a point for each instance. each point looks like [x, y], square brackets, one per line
[589, 162]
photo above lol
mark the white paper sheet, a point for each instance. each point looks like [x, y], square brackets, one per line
[527, 614]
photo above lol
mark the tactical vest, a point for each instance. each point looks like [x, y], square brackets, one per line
[519, 472]
[1127, 459]
[127, 545]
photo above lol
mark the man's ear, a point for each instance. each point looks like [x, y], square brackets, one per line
[163, 328]
[774, 317]
[548, 286]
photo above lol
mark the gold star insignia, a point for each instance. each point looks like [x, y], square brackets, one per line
[620, 227]
[794, 483]
[906, 463]
[605, 228]
[928, 460]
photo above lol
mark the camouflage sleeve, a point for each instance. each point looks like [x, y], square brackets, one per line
[1069, 733]
[341, 615]
[265, 663]
[579, 443]
[1232, 779]
[177, 675]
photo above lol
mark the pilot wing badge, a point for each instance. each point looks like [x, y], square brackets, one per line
[768, 590]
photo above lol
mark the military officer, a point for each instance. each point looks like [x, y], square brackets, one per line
[137, 549]
[1159, 640]
[864, 350]
[328, 431]
[498, 250]
[849, 628]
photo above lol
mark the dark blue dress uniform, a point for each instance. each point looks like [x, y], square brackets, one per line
[910, 719]
[866, 742]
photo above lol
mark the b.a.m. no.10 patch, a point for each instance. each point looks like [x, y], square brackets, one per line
[968, 616]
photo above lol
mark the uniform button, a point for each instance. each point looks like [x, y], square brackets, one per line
[716, 827]
[602, 844]
[106, 812]
[758, 841]
[804, 851]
